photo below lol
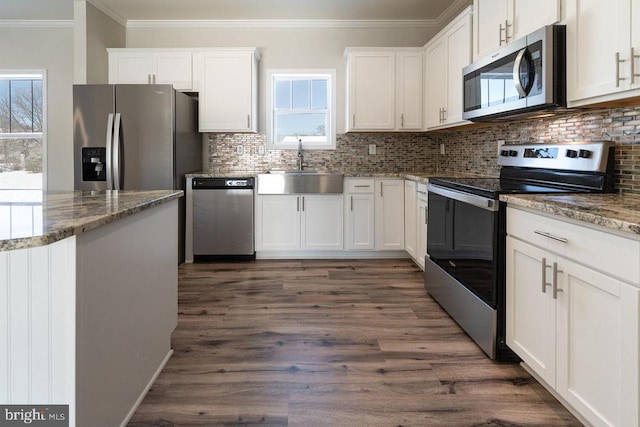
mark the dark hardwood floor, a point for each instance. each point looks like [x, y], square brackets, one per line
[331, 343]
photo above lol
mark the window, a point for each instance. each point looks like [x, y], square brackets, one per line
[21, 127]
[301, 105]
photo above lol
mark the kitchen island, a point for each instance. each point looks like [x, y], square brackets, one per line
[88, 296]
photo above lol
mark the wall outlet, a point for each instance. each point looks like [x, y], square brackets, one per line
[261, 150]
[240, 150]
[372, 149]
[442, 149]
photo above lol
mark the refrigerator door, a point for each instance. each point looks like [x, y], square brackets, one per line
[146, 137]
[92, 105]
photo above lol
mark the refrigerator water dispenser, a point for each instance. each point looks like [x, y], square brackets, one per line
[94, 161]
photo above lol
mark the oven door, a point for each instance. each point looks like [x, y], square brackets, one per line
[462, 239]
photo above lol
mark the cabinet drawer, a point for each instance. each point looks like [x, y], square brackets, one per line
[360, 186]
[421, 191]
[612, 254]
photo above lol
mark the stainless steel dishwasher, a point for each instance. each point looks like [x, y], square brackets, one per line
[223, 218]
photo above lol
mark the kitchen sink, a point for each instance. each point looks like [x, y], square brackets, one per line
[300, 182]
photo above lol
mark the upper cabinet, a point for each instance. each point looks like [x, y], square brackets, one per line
[151, 66]
[603, 51]
[445, 56]
[384, 89]
[499, 22]
[227, 81]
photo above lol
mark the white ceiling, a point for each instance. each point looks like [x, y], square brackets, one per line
[236, 9]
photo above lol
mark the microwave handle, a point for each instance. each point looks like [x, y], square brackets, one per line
[522, 91]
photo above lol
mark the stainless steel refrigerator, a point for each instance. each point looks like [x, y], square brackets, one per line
[135, 137]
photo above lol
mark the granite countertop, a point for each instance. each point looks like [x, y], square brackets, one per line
[614, 211]
[31, 218]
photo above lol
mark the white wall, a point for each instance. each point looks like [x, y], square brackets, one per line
[285, 47]
[50, 49]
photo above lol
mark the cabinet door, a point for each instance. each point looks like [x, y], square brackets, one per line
[131, 68]
[635, 44]
[489, 17]
[596, 31]
[597, 345]
[530, 312]
[321, 222]
[528, 16]
[360, 228]
[278, 222]
[174, 68]
[421, 217]
[409, 78]
[371, 91]
[389, 215]
[458, 57]
[410, 223]
[436, 81]
[225, 80]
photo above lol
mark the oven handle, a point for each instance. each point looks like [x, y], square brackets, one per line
[471, 199]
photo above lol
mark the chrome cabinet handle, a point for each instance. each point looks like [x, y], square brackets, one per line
[154, 79]
[444, 114]
[633, 65]
[401, 120]
[380, 188]
[618, 61]
[148, 78]
[352, 203]
[500, 30]
[551, 236]
[298, 204]
[556, 290]
[353, 120]
[248, 121]
[426, 215]
[506, 31]
[362, 186]
[302, 203]
[544, 275]
[117, 169]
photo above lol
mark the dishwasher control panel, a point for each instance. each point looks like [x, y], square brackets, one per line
[214, 183]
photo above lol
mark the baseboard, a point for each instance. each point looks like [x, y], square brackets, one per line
[331, 254]
[140, 398]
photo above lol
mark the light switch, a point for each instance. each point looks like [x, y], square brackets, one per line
[372, 149]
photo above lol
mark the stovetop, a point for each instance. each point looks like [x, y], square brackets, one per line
[493, 187]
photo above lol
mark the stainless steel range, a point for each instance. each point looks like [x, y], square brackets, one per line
[466, 231]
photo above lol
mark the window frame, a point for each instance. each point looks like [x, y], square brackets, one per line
[31, 74]
[330, 75]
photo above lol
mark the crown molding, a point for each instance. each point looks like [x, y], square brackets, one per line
[36, 23]
[451, 12]
[284, 23]
[107, 10]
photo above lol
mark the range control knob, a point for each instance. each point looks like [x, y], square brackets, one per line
[504, 153]
[584, 154]
[513, 153]
[572, 153]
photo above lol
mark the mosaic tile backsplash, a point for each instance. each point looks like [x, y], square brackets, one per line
[467, 149]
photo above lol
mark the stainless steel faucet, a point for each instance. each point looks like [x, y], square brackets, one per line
[300, 155]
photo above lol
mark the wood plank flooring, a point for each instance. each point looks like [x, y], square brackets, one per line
[330, 343]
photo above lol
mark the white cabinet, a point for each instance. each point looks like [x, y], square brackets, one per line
[384, 89]
[572, 313]
[410, 222]
[226, 80]
[294, 222]
[151, 66]
[389, 214]
[445, 56]
[603, 50]
[359, 214]
[421, 219]
[499, 22]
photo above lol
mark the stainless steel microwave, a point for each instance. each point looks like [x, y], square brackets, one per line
[527, 75]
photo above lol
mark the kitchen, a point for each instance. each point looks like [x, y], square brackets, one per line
[74, 51]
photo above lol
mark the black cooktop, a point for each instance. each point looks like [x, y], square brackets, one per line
[493, 187]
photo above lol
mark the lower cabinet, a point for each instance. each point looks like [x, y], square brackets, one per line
[576, 328]
[292, 222]
[421, 224]
[410, 223]
[359, 214]
[389, 214]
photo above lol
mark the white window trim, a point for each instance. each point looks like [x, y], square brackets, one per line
[332, 108]
[30, 73]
